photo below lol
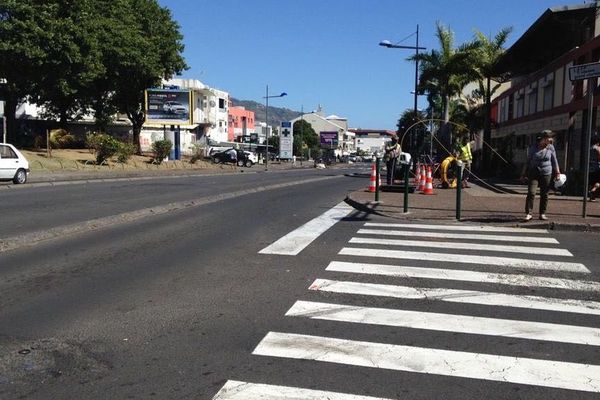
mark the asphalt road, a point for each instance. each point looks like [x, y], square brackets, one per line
[175, 305]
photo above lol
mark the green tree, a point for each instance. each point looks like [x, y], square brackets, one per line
[488, 53]
[305, 136]
[446, 71]
[24, 33]
[151, 50]
[408, 127]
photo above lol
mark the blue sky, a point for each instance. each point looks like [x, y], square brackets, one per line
[325, 52]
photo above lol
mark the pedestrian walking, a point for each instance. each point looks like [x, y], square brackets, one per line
[541, 165]
[594, 175]
[392, 152]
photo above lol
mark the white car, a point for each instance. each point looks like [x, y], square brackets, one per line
[13, 165]
[174, 107]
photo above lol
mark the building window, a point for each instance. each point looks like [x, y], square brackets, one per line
[532, 101]
[548, 96]
[221, 104]
[520, 106]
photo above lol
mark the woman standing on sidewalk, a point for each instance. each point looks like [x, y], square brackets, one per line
[541, 165]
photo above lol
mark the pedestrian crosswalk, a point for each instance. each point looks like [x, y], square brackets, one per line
[488, 283]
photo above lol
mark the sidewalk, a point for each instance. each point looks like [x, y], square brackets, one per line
[480, 204]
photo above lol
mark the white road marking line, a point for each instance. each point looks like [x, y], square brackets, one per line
[464, 246]
[236, 390]
[461, 236]
[463, 275]
[447, 322]
[527, 371]
[466, 259]
[451, 227]
[459, 296]
[295, 241]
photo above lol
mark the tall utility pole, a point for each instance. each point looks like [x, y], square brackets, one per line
[416, 48]
[267, 97]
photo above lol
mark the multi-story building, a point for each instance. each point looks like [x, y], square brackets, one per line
[372, 140]
[241, 124]
[540, 94]
[332, 123]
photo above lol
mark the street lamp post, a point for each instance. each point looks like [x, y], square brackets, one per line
[267, 97]
[416, 48]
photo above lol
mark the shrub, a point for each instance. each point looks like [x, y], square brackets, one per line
[61, 139]
[161, 149]
[103, 146]
[198, 152]
[126, 150]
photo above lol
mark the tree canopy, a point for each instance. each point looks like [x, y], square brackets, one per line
[86, 56]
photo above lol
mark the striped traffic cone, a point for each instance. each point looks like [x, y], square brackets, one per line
[429, 183]
[373, 179]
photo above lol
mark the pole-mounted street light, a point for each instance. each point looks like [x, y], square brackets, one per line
[267, 97]
[416, 48]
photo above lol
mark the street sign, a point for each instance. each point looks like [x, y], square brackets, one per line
[286, 140]
[584, 71]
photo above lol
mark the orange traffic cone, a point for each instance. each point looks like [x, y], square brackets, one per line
[429, 183]
[373, 180]
[422, 181]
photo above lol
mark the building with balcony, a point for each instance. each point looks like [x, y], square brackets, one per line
[540, 94]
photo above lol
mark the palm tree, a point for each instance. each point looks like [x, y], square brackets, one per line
[445, 72]
[488, 53]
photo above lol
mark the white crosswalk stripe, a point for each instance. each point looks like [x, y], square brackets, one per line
[463, 275]
[527, 371]
[236, 390]
[442, 244]
[461, 236]
[466, 259]
[458, 296]
[463, 246]
[447, 322]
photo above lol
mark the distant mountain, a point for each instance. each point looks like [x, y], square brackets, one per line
[276, 114]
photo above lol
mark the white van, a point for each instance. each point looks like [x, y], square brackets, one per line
[13, 165]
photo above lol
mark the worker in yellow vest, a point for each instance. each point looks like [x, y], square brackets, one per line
[465, 155]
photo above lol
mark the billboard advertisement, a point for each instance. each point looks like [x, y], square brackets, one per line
[328, 139]
[169, 106]
[286, 141]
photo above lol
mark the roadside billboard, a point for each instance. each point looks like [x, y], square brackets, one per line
[169, 106]
[286, 141]
[328, 139]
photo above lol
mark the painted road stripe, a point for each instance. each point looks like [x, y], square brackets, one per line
[447, 322]
[236, 390]
[462, 228]
[527, 371]
[295, 241]
[463, 275]
[464, 246]
[459, 296]
[466, 259]
[461, 236]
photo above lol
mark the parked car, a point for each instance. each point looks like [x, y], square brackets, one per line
[174, 107]
[242, 158]
[13, 165]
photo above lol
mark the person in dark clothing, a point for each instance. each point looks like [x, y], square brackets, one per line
[392, 152]
[541, 165]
